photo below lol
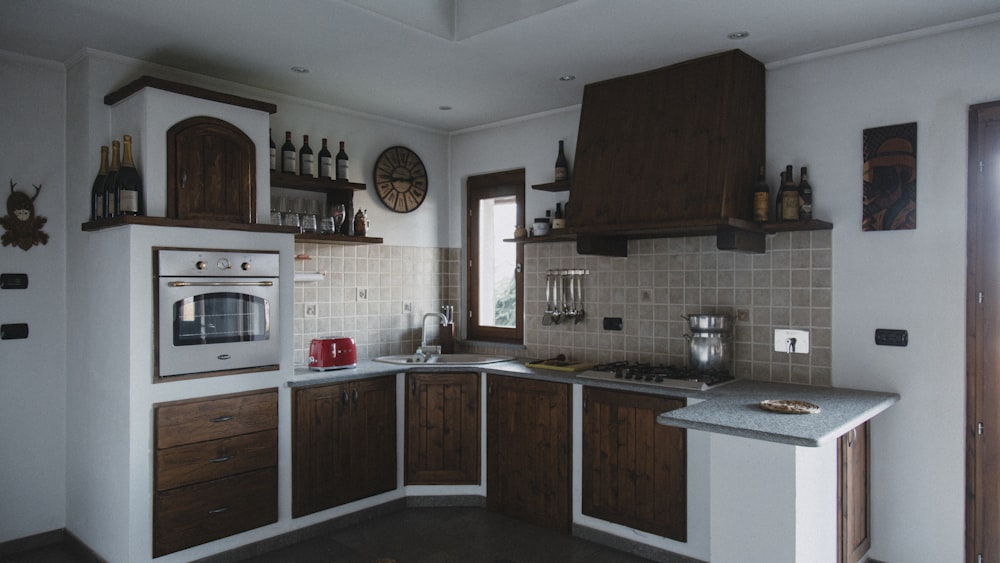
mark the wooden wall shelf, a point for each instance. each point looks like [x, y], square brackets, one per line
[185, 223]
[562, 186]
[320, 238]
[309, 183]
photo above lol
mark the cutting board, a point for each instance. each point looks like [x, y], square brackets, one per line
[559, 365]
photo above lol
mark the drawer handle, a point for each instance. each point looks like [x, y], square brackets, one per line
[219, 510]
[222, 418]
[221, 459]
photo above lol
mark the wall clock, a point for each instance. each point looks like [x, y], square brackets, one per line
[400, 179]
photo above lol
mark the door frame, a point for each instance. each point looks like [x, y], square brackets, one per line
[978, 469]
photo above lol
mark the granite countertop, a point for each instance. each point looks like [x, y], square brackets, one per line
[733, 408]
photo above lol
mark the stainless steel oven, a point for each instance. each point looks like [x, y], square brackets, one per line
[216, 312]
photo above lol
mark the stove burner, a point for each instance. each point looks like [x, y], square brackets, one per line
[660, 374]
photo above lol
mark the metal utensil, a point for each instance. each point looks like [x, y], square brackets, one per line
[558, 299]
[580, 313]
[547, 317]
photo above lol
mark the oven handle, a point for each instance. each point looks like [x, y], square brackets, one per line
[220, 284]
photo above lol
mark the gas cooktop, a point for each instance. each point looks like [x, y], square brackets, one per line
[678, 377]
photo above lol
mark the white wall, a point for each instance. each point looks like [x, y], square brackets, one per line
[33, 371]
[913, 280]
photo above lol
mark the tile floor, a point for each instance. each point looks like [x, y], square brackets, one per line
[421, 535]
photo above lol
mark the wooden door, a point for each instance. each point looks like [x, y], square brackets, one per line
[983, 338]
[854, 471]
[343, 443]
[634, 470]
[442, 429]
[211, 172]
[528, 450]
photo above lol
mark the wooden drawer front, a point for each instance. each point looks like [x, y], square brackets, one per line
[201, 420]
[201, 513]
[204, 461]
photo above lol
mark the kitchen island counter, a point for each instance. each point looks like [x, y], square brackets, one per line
[735, 409]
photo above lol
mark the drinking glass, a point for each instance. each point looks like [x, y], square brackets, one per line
[337, 213]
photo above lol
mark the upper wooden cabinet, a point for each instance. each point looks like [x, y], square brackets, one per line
[211, 171]
[673, 148]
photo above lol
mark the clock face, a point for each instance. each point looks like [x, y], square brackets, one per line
[400, 179]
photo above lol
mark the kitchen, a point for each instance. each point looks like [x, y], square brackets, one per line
[815, 113]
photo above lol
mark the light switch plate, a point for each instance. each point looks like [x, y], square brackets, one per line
[782, 342]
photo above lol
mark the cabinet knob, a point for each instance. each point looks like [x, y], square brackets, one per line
[347, 397]
[356, 394]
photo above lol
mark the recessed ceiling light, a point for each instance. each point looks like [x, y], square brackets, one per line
[737, 35]
[444, 108]
[300, 69]
[567, 78]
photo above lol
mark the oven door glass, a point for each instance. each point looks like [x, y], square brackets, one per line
[216, 318]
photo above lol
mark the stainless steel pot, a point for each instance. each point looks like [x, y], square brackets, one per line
[709, 350]
[702, 322]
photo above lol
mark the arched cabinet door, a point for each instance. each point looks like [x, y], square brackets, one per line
[210, 171]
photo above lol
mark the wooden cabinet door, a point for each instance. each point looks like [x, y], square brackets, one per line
[211, 172]
[442, 429]
[343, 443]
[528, 450]
[634, 470]
[855, 493]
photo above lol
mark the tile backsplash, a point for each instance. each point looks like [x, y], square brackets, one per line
[662, 279]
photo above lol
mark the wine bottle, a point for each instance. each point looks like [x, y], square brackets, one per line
[562, 168]
[761, 197]
[805, 196]
[325, 162]
[274, 152]
[97, 191]
[558, 220]
[288, 155]
[789, 197]
[342, 163]
[110, 204]
[128, 185]
[306, 160]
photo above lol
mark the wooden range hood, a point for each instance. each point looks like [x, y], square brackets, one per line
[670, 152]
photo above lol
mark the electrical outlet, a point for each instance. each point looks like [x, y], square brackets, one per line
[794, 341]
[311, 310]
[743, 315]
[407, 307]
[362, 294]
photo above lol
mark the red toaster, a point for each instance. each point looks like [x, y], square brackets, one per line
[332, 352]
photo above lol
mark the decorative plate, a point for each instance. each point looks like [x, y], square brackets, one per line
[789, 407]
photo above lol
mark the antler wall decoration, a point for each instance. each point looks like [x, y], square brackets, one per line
[23, 227]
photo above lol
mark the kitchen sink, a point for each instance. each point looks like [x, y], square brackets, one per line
[460, 359]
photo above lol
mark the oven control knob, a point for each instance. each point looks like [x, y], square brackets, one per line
[224, 264]
[200, 264]
[245, 266]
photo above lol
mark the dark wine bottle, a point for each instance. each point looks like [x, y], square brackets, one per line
[805, 196]
[274, 152]
[789, 196]
[558, 220]
[325, 162]
[97, 191]
[306, 159]
[562, 168]
[288, 156]
[128, 185]
[110, 203]
[342, 163]
[761, 197]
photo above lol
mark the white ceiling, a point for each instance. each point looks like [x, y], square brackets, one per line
[489, 60]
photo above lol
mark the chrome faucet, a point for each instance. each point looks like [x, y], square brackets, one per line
[425, 348]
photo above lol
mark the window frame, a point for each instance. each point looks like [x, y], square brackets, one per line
[480, 187]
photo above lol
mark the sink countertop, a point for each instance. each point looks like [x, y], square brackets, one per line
[731, 409]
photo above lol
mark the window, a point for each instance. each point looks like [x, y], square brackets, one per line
[494, 277]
